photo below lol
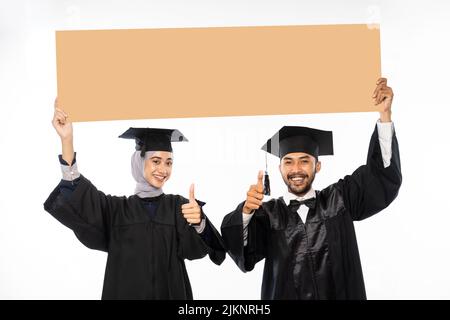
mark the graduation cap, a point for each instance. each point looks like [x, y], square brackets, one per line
[153, 139]
[291, 139]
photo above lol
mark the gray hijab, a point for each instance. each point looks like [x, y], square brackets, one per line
[143, 188]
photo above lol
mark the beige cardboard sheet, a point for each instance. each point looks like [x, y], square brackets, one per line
[228, 71]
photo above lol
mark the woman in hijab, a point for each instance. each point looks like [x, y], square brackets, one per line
[147, 235]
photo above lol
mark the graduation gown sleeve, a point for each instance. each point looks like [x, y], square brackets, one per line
[87, 211]
[232, 231]
[192, 245]
[371, 187]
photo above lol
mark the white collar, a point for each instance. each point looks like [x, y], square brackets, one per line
[287, 197]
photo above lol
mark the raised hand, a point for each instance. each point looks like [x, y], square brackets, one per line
[255, 195]
[383, 95]
[191, 211]
[65, 131]
[61, 124]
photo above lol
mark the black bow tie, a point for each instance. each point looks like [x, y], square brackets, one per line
[295, 204]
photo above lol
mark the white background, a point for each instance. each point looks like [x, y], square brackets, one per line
[404, 250]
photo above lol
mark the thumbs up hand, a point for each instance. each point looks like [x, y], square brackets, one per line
[255, 195]
[191, 211]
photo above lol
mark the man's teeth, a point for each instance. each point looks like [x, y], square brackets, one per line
[297, 179]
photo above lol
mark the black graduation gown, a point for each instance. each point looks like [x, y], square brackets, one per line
[145, 253]
[318, 259]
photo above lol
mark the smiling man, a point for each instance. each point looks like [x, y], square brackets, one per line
[307, 237]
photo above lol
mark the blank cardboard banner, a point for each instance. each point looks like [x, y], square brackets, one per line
[206, 72]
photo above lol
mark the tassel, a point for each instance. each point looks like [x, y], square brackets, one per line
[266, 181]
[266, 184]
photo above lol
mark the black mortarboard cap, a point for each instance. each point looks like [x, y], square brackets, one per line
[153, 139]
[300, 139]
